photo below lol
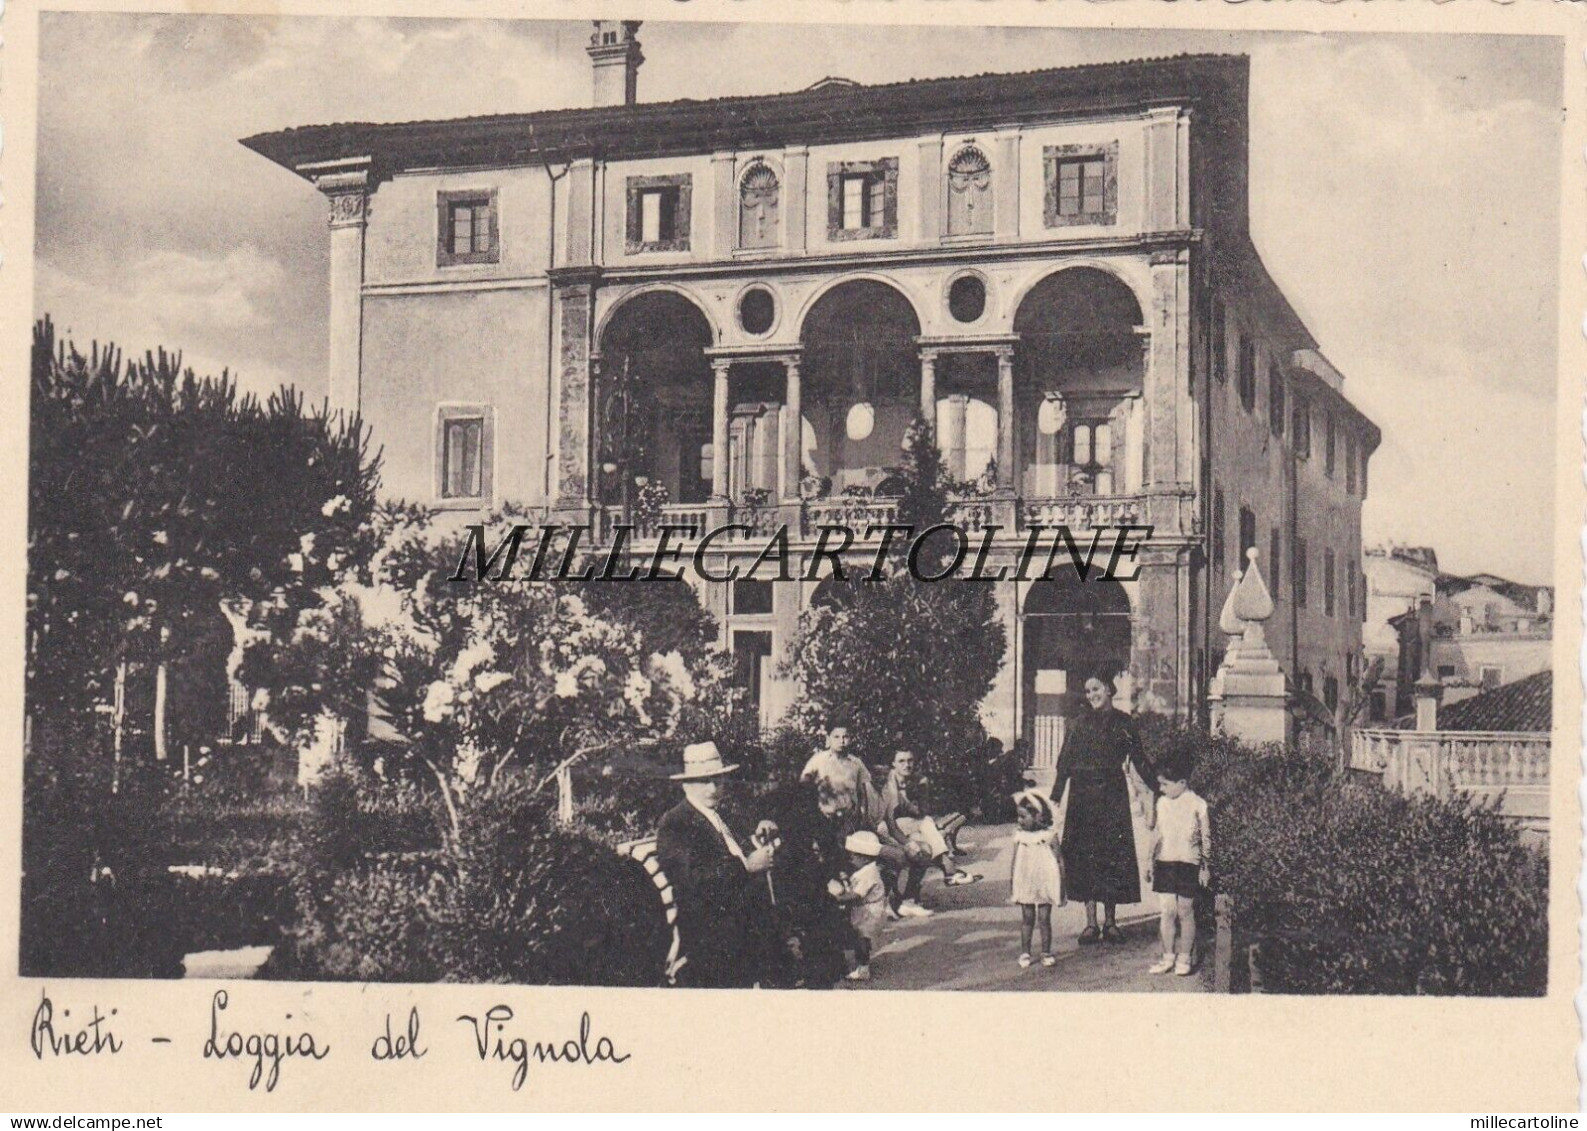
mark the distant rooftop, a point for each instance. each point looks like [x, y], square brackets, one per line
[1526, 705]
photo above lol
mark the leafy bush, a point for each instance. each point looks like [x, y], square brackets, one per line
[516, 898]
[1352, 888]
[95, 891]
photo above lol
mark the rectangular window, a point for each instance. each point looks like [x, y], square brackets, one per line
[1300, 573]
[1080, 181]
[1446, 671]
[1081, 184]
[658, 213]
[1275, 400]
[862, 199]
[1302, 439]
[1328, 583]
[1330, 442]
[1491, 677]
[1247, 536]
[1350, 463]
[466, 228]
[463, 456]
[1274, 568]
[1247, 375]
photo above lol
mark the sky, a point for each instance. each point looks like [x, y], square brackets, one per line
[1404, 193]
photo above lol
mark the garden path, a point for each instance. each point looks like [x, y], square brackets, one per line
[972, 941]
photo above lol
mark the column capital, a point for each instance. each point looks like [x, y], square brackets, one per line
[348, 186]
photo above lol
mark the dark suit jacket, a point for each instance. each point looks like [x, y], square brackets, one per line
[713, 893]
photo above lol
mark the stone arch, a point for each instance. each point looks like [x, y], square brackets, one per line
[653, 399]
[1079, 374]
[1069, 630]
[861, 380]
[813, 299]
[646, 289]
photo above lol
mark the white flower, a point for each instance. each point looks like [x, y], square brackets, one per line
[334, 562]
[130, 598]
[208, 574]
[438, 701]
[334, 506]
[306, 544]
[671, 667]
[160, 538]
[476, 654]
[489, 681]
[573, 606]
[567, 685]
[295, 561]
[62, 575]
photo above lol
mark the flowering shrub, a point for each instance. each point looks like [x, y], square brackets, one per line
[478, 678]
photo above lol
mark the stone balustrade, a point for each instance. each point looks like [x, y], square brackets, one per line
[1507, 768]
[805, 519]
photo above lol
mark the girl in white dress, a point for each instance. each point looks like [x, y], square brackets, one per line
[1037, 881]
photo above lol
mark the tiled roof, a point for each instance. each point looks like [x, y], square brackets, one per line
[827, 112]
[1525, 705]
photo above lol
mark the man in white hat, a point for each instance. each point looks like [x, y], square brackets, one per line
[714, 881]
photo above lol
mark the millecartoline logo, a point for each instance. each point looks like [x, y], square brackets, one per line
[935, 553]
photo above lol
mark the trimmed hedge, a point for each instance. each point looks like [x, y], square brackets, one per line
[1348, 887]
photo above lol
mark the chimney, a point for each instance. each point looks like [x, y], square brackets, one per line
[615, 58]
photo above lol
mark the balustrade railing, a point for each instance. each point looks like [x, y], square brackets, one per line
[1510, 768]
[860, 512]
[1081, 511]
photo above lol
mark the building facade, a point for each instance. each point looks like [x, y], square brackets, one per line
[1483, 631]
[732, 310]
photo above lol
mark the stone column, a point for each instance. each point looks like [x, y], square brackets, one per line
[1005, 187]
[1005, 419]
[719, 455]
[928, 388]
[793, 432]
[348, 193]
[932, 179]
[1169, 454]
[574, 294]
[724, 206]
[795, 205]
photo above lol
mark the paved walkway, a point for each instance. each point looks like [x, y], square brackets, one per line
[972, 942]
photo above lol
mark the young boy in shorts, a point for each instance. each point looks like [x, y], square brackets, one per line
[1180, 864]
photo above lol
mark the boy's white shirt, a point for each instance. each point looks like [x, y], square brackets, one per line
[1201, 825]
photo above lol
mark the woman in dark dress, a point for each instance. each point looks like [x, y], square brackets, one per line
[1099, 836]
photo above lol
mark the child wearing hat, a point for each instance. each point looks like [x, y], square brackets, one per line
[866, 898]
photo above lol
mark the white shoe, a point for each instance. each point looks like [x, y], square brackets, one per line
[1024, 961]
[1182, 966]
[909, 909]
[859, 974]
[1163, 965]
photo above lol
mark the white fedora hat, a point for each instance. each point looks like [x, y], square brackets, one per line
[702, 760]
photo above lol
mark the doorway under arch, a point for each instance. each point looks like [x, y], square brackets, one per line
[1071, 630]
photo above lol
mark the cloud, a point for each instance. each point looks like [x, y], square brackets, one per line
[206, 309]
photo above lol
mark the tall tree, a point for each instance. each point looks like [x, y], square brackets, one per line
[904, 663]
[154, 496]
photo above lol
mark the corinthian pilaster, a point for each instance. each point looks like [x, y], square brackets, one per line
[348, 190]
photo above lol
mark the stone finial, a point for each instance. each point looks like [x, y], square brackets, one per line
[1229, 622]
[1252, 601]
